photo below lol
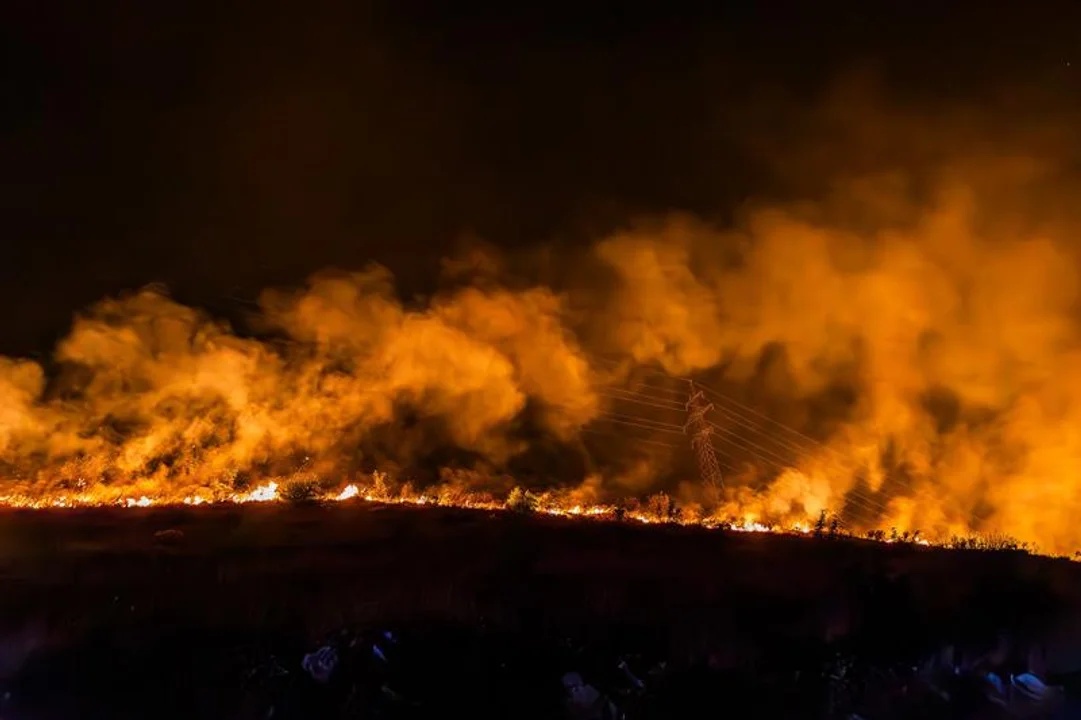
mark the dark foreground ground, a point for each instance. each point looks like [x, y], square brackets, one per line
[104, 616]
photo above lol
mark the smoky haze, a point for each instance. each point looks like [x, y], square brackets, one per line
[887, 268]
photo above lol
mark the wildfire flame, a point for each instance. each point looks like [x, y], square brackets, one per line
[921, 353]
[263, 493]
[347, 493]
[545, 504]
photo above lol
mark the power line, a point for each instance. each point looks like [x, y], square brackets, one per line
[797, 441]
[640, 401]
[867, 501]
[635, 441]
[640, 386]
[623, 392]
[639, 425]
[854, 497]
[768, 443]
[660, 425]
[845, 463]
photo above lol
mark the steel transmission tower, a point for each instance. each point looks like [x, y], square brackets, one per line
[701, 433]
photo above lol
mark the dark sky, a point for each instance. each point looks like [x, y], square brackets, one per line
[220, 147]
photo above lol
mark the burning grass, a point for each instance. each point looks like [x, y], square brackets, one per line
[658, 508]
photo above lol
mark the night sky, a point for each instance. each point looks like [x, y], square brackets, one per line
[222, 147]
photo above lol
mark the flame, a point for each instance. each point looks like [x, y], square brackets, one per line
[263, 493]
[545, 504]
[349, 491]
[911, 357]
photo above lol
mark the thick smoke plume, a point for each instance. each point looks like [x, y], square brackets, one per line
[917, 326]
[155, 397]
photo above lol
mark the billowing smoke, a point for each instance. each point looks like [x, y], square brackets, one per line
[958, 345]
[159, 398]
[911, 337]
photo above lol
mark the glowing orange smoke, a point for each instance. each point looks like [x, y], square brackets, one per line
[929, 347]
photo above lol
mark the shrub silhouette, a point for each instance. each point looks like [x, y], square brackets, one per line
[301, 491]
[522, 501]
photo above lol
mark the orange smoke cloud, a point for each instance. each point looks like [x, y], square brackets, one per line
[159, 399]
[955, 332]
[917, 333]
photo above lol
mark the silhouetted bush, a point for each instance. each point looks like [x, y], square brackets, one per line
[301, 491]
[834, 528]
[992, 543]
[663, 507]
[522, 501]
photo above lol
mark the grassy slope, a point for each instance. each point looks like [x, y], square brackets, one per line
[302, 570]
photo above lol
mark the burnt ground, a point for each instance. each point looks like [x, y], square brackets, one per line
[103, 616]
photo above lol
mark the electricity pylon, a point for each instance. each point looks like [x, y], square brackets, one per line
[701, 432]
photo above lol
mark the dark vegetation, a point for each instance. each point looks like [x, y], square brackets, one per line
[171, 612]
[301, 491]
